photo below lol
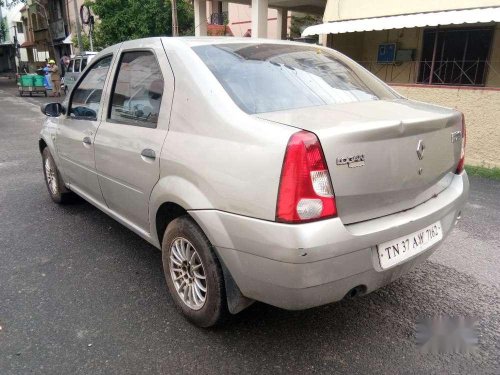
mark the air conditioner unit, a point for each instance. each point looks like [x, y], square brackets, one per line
[404, 55]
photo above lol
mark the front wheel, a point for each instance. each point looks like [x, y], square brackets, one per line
[55, 185]
[193, 273]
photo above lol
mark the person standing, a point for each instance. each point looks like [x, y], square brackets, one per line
[55, 77]
[64, 62]
[46, 76]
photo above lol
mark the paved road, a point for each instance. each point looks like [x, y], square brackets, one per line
[80, 294]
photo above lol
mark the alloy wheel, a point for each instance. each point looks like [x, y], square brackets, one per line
[187, 273]
[50, 175]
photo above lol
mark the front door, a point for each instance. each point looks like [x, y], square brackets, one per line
[76, 131]
[130, 138]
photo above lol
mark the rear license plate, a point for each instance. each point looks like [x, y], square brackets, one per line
[402, 248]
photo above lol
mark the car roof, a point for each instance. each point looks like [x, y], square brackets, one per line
[190, 41]
[86, 54]
[207, 40]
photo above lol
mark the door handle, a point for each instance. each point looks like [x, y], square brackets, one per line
[87, 141]
[148, 153]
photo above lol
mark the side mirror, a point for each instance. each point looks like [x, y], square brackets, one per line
[52, 109]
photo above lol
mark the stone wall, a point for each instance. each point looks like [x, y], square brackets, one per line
[481, 107]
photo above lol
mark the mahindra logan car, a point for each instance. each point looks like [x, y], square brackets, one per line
[264, 170]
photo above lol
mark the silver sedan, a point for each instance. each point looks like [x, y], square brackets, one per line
[264, 170]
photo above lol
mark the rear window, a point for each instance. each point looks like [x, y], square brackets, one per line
[273, 77]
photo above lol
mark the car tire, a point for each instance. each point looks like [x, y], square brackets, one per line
[182, 238]
[55, 184]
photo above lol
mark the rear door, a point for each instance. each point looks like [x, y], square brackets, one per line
[76, 131]
[83, 64]
[70, 76]
[78, 64]
[129, 140]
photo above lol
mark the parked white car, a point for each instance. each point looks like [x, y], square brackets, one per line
[264, 170]
[76, 66]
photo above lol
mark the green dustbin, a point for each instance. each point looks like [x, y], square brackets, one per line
[27, 80]
[38, 81]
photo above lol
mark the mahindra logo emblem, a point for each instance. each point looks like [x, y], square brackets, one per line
[420, 149]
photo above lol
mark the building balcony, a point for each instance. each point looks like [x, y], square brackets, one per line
[41, 35]
[219, 18]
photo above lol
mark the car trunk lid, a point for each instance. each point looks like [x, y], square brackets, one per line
[383, 156]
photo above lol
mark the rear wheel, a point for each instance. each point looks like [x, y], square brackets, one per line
[193, 273]
[55, 185]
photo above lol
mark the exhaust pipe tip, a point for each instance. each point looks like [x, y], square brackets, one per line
[357, 291]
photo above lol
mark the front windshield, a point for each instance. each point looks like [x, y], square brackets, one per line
[273, 77]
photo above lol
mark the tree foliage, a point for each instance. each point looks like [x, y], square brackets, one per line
[12, 3]
[96, 42]
[299, 23]
[3, 31]
[120, 20]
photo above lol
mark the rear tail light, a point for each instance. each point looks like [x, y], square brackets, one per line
[461, 163]
[305, 191]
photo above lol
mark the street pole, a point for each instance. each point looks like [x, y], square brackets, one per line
[16, 49]
[91, 32]
[78, 27]
[175, 25]
[91, 41]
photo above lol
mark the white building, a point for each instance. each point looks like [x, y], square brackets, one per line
[240, 21]
[256, 16]
[11, 55]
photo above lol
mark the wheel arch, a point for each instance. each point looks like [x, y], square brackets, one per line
[166, 213]
[42, 144]
[172, 197]
[46, 141]
[169, 211]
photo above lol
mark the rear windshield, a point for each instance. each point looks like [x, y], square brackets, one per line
[273, 77]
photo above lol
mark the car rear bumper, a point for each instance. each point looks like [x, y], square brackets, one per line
[307, 265]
